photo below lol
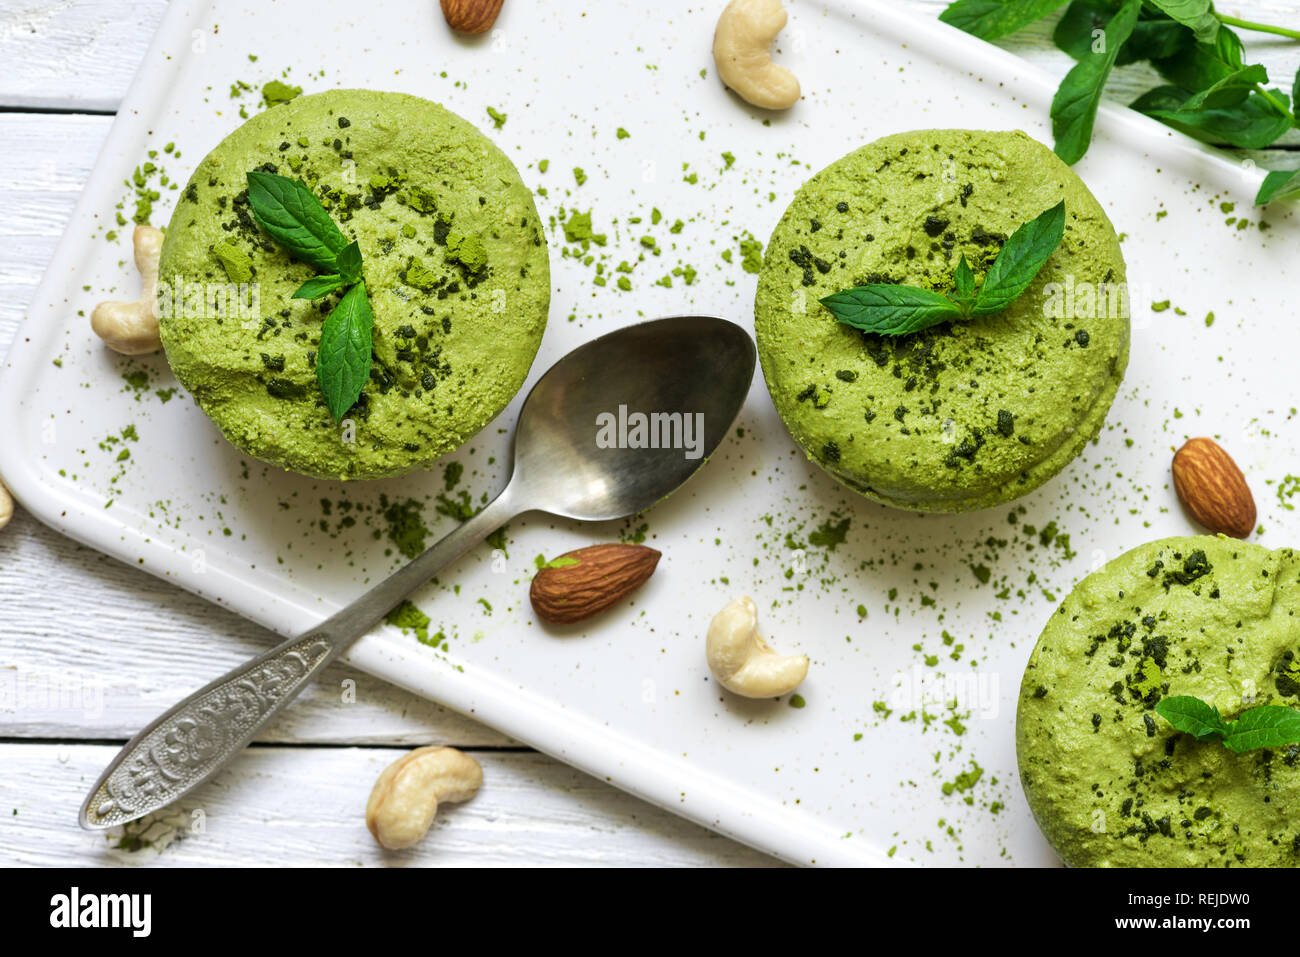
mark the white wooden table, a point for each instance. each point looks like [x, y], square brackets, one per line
[92, 649]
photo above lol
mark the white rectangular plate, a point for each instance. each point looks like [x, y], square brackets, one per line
[842, 779]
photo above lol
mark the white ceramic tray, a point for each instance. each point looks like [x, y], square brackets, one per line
[838, 780]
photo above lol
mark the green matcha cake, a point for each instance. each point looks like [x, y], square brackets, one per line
[1111, 783]
[966, 414]
[454, 262]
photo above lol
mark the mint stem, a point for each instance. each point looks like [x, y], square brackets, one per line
[1275, 103]
[1258, 27]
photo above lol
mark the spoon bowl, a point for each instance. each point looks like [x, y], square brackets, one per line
[622, 421]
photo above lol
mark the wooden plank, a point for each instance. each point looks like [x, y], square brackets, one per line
[133, 645]
[73, 54]
[44, 163]
[294, 807]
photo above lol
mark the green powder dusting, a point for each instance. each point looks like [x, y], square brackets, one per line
[237, 263]
[469, 251]
[498, 118]
[409, 618]
[460, 508]
[1147, 679]
[828, 535]
[142, 183]
[1286, 490]
[751, 254]
[451, 474]
[964, 781]
[276, 92]
[406, 528]
[578, 227]
[420, 276]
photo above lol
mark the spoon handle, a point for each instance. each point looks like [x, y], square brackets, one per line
[203, 733]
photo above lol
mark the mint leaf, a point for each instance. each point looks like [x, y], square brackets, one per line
[963, 285]
[1022, 256]
[1269, 726]
[1150, 39]
[1227, 91]
[1252, 124]
[1279, 184]
[294, 218]
[1197, 66]
[318, 286]
[1193, 716]
[348, 263]
[891, 310]
[1169, 98]
[990, 19]
[1198, 15]
[343, 359]
[1074, 107]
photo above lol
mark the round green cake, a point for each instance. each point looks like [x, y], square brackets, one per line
[1111, 783]
[455, 265]
[962, 415]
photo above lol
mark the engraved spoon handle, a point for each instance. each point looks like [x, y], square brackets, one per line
[203, 733]
[200, 735]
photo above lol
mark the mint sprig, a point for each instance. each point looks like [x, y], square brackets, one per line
[1267, 726]
[894, 309]
[291, 214]
[1210, 93]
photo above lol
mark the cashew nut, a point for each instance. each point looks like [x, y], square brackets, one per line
[406, 796]
[6, 505]
[741, 51]
[743, 662]
[131, 328]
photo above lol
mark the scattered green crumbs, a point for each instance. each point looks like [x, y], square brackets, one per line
[406, 528]
[409, 618]
[277, 91]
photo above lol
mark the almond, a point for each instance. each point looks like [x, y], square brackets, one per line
[1213, 489]
[471, 16]
[585, 582]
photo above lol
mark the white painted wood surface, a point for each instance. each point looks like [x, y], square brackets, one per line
[69, 617]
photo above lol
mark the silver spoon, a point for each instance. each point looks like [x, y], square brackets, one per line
[686, 364]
